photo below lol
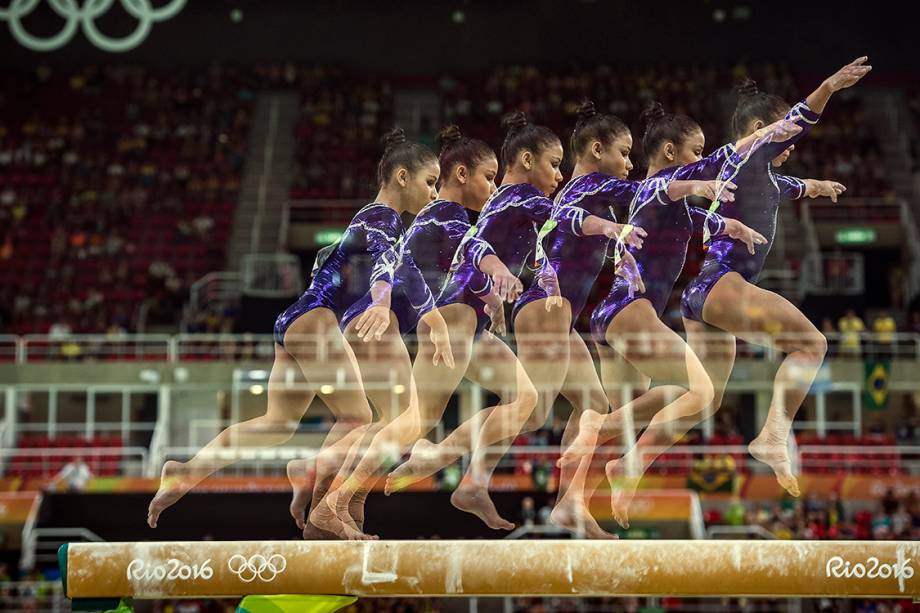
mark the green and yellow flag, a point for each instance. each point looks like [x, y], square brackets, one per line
[878, 374]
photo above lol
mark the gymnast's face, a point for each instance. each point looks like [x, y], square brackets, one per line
[420, 185]
[689, 150]
[480, 183]
[614, 159]
[543, 169]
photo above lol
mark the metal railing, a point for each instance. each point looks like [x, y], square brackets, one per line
[678, 459]
[242, 347]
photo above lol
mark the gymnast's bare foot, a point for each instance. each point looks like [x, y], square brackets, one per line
[474, 499]
[622, 491]
[573, 515]
[175, 482]
[424, 461]
[331, 516]
[589, 425]
[775, 454]
[302, 480]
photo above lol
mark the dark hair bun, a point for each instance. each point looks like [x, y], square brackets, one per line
[584, 112]
[747, 87]
[393, 139]
[514, 121]
[653, 112]
[448, 137]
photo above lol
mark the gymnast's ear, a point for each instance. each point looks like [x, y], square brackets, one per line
[669, 151]
[462, 174]
[527, 159]
[402, 177]
[597, 149]
[758, 125]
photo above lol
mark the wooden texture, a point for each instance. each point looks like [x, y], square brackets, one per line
[466, 568]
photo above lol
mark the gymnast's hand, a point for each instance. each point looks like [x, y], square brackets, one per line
[440, 338]
[815, 188]
[723, 191]
[549, 282]
[373, 323]
[496, 313]
[626, 233]
[740, 232]
[506, 285]
[849, 75]
[628, 269]
[777, 132]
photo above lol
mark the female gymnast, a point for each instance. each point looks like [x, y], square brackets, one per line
[510, 224]
[723, 302]
[468, 175]
[673, 145]
[307, 334]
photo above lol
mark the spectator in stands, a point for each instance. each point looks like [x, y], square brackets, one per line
[851, 329]
[75, 474]
[528, 512]
[884, 328]
[828, 329]
[906, 427]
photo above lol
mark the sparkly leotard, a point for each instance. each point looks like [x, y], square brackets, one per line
[508, 228]
[756, 205]
[366, 253]
[669, 225]
[577, 261]
[428, 249]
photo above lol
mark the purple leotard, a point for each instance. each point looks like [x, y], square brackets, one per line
[508, 226]
[364, 255]
[669, 225]
[756, 204]
[577, 261]
[428, 249]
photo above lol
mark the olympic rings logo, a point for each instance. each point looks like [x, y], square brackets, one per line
[75, 16]
[257, 566]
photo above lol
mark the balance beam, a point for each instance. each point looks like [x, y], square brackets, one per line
[492, 568]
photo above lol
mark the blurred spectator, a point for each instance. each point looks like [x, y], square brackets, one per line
[528, 512]
[75, 474]
[851, 329]
[828, 329]
[906, 426]
[884, 328]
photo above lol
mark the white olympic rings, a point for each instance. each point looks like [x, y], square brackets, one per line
[75, 16]
[257, 566]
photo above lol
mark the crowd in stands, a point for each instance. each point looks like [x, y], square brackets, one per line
[118, 183]
[117, 188]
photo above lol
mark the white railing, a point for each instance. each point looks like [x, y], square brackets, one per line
[243, 347]
[678, 459]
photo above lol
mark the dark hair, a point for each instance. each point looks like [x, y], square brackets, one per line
[456, 149]
[591, 126]
[400, 152]
[521, 134]
[661, 127]
[755, 105]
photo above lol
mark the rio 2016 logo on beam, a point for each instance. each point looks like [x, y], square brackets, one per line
[872, 568]
[74, 16]
[172, 570]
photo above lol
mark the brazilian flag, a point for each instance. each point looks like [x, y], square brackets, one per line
[878, 374]
[713, 475]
